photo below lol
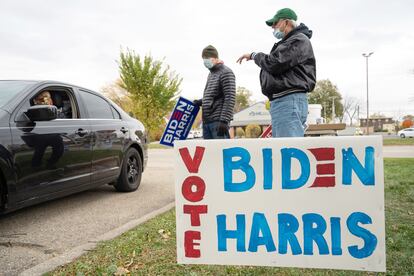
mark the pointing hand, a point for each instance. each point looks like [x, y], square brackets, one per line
[245, 56]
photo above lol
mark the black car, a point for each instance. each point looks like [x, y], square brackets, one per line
[57, 139]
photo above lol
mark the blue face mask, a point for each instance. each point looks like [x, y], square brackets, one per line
[278, 34]
[208, 63]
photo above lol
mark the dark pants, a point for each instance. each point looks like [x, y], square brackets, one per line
[210, 131]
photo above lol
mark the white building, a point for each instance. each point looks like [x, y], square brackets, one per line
[257, 114]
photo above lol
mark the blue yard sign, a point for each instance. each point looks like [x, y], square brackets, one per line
[181, 121]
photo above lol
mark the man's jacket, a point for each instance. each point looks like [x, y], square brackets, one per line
[219, 95]
[290, 67]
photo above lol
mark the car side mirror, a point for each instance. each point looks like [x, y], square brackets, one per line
[42, 113]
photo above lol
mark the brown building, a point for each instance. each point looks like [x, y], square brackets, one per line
[378, 124]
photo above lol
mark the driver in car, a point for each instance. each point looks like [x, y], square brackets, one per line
[45, 98]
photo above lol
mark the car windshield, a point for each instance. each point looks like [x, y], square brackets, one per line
[9, 89]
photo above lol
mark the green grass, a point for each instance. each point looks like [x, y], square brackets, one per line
[399, 142]
[143, 251]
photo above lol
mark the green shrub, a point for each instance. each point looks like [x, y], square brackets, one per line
[253, 131]
[240, 132]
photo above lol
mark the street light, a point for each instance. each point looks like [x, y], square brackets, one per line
[366, 58]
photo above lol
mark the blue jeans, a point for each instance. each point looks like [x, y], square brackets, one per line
[289, 115]
[210, 131]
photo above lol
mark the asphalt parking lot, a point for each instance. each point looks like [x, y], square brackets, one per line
[35, 234]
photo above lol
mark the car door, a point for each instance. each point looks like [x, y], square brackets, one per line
[51, 156]
[110, 135]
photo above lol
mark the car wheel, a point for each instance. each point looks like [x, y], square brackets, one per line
[402, 135]
[130, 177]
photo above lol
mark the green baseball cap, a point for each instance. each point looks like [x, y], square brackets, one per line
[285, 13]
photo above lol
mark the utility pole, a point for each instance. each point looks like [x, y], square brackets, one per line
[366, 59]
[333, 108]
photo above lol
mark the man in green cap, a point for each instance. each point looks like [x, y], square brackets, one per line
[287, 74]
[219, 96]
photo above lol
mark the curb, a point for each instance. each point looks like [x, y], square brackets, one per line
[70, 255]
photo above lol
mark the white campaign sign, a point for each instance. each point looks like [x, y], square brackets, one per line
[294, 202]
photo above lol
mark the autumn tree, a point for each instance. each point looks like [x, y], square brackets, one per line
[240, 132]
[151, 86]
[253, 131]
[408, 121]
[118, 95]
[324, 94]
[407, 124]
[243, 99]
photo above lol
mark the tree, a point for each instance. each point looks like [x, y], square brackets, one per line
[351, 106]
[118, 95]
[253, 131]
[408, 117]
[325, 91]
[243, 100]
[240, 132]
[408, 121]
[151, 87]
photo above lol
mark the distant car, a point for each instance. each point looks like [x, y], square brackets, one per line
[408, 132]
[57, 139]
[194, 134]
[198, 134]
[190, 135]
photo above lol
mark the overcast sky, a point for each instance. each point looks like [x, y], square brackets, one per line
[79, 41]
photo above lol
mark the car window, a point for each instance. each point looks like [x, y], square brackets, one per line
[62, 98]
[10, 89]
[115, 113]
[97, 107]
